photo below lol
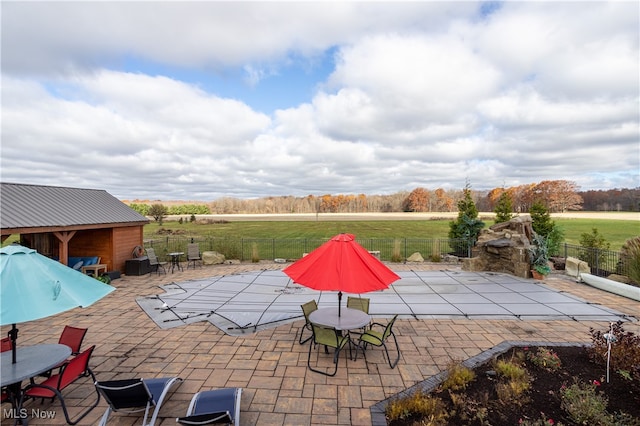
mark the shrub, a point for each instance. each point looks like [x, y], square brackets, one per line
[555, 240]
[630, 259]
[541, 421]
[395, 255]
[510, 370]
[143, 209]
[104, 278]
[538, 253]
[458, 378]
[430, 409]
[545, 358]
[584, 405]
[255, 254]
[513, 392]
[469, 410]
[515, 382]
[592, 243]
[625, 351]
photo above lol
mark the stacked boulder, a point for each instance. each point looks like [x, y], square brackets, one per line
[503, 248]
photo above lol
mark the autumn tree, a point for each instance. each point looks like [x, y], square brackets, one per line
[444, 203]
[417, 201]
[493, 196]
[558, 195]
[361, 203]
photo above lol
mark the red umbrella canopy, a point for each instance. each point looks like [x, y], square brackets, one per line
[341, 264]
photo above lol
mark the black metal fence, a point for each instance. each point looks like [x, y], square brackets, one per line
[602, 262]
[388, 249]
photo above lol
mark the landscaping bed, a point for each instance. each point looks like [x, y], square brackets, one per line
[535, 386]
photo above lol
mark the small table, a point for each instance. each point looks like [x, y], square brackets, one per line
[30, 361]
[95, 269]
[350, 319]
[175, 260]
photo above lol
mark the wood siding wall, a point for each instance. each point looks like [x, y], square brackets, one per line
[94, 242]
[113, 245]
[124, 241]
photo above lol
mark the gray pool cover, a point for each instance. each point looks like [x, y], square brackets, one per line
[252, 301]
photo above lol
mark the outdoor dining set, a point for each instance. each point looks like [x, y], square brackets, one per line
[333, 330]
[36, 287]
[51, 367]
[64, 363]
[194, 258]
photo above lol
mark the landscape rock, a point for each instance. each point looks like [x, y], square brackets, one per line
[574, 267]
[503, 248]
[212, 258]
[415, 257]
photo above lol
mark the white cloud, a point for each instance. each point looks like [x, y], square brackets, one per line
[421, 94]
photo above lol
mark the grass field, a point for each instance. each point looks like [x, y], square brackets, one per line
[615, 232]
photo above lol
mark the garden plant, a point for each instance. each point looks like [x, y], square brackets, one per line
[561, 385]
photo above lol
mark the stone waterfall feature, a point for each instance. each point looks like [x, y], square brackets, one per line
[503, 248]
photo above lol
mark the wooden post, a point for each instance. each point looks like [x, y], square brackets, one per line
[64, 237]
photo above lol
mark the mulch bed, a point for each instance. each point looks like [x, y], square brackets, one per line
[544, 395]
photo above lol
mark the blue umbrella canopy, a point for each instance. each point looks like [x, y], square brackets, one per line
[32, 286]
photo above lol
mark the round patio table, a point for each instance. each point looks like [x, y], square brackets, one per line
[175, 260]
[350, 319]
[30, 361]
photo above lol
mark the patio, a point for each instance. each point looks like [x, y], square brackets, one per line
[270, 365]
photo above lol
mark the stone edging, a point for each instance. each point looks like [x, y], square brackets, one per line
[378, 417]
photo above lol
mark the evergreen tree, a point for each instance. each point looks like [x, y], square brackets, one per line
[467, 225]
[541, 219]
[504, 208]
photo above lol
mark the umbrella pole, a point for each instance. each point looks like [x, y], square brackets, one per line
[13, 335]
[339, 302]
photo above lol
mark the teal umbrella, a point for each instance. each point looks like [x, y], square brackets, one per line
[32, 286]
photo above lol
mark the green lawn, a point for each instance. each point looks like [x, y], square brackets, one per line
[616, 232]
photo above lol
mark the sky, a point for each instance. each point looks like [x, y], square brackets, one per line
[161, 100]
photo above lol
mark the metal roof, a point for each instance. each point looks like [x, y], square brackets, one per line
[32, 206]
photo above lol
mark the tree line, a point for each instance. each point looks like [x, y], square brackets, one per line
[555, 195]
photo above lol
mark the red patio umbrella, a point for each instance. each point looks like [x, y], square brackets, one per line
[341, 264]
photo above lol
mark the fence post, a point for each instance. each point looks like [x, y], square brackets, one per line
[404, 255]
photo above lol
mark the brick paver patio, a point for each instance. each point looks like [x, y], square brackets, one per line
[270, 365]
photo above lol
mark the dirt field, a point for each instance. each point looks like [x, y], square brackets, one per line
[402, 216]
